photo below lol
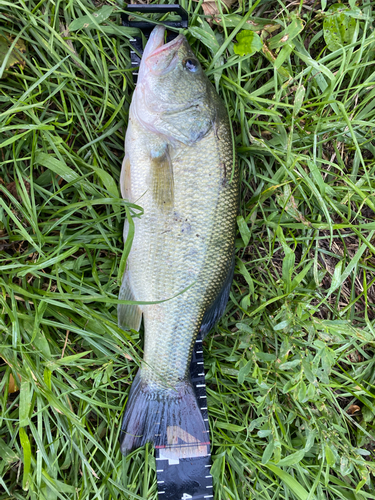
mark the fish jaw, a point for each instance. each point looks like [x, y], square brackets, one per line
[155, 41]
[165, 57]
[157, 55]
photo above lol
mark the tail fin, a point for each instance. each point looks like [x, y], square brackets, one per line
[169, 418]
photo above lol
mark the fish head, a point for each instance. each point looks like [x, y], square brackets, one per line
[174, 96]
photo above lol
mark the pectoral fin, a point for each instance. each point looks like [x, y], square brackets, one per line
[162, 178]
[125, 178]
[129, 315]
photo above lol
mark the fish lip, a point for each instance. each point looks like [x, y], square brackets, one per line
[173, 44]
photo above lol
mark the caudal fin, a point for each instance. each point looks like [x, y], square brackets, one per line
[169, 418]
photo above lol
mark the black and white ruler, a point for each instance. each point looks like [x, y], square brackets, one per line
[183, 463]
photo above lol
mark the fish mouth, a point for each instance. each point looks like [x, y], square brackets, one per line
[161, 57]
[172, 45]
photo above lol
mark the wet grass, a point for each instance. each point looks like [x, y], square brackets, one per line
[290, 368]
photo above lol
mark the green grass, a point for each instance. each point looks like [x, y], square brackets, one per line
[290, 368]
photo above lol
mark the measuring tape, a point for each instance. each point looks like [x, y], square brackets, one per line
[183, 463]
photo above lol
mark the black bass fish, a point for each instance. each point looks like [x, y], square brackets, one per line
[178, 166]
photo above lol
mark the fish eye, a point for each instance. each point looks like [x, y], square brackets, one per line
[190, 64]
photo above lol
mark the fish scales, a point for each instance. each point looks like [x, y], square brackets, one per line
[182, 251]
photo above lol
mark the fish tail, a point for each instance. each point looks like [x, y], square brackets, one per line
[169, 418]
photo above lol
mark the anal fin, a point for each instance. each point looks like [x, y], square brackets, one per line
[217, 308]
[129, 315]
